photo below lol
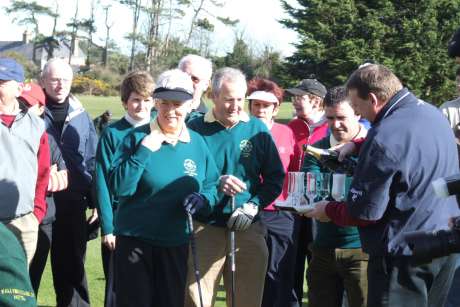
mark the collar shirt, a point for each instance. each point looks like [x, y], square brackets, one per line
[184, 135]
[136, 123]
[210, 118]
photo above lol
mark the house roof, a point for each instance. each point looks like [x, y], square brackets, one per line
[27, 49]
[19, 47]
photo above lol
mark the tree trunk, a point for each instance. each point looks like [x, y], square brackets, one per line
[194, 18]
[136, 12]
[105, 52]
[55, 17]
[74, 34]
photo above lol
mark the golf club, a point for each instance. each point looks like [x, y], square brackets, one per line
[232, 255]
[195, 257]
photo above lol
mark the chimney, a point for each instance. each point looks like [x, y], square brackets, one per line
[76, 47]
[26, 37]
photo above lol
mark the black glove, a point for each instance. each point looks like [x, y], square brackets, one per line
[194, 202]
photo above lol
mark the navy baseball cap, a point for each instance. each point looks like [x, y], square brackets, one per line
[11, 70]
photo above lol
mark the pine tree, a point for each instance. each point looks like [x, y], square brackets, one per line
[410, 37]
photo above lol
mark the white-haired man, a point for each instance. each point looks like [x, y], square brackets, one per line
[66, 120]
[200, 70]
[252, 174]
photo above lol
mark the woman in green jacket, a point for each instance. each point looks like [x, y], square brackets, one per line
[163, 169]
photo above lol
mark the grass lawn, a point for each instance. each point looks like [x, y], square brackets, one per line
[96, 106]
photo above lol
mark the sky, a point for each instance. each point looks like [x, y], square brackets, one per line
[258, 24]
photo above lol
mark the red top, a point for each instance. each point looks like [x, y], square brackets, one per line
[338, 213]
[358, 143]
[306, 134]
[288, 151]
[43, 170]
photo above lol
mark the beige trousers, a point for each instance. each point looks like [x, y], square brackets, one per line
[213, 251]
[25, 228]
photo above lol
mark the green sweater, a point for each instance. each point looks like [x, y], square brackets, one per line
[248, 152]
[15, 286]
[328, 234]
[151, 187]
[109, 141]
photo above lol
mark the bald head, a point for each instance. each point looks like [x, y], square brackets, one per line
[56, 79]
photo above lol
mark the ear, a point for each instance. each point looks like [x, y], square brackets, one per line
[156, 103]
[188, 106]
[20, 89]
[317, 101]
[373, 98]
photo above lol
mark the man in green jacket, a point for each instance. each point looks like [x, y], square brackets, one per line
[338, 261]
[250, 172]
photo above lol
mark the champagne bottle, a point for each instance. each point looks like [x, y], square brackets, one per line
[330, 159]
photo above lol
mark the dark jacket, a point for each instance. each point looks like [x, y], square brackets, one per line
[78, 142]
[409, 145]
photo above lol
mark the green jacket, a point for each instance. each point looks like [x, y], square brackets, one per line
[15, 287]
[151, 187]
[248, 152]
[109, 141]
[328, 234]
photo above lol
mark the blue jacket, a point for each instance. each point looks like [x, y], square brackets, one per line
[78, 142]
[409, 145]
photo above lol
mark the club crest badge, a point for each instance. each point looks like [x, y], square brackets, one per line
[246, 148]
[190, 167]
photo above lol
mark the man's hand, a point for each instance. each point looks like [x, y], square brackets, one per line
[154, 139]
[230, 185]
[346, 149]
[318, 212]
[194, 202]
[242, 217]
[109, 241]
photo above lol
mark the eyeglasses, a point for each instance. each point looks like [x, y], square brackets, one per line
[298, 98]
[59, 80]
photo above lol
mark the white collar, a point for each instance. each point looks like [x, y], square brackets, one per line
[136, 123]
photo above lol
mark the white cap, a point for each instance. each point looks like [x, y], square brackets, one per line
[264, 96]
[175, 85]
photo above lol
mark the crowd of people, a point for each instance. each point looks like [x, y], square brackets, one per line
[172, 172]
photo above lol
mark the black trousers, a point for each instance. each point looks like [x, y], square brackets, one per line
[399, 281]
[282, 250]
[68, 250]
[305, 238]
[37, 266]
[149, 276]
[108, 267]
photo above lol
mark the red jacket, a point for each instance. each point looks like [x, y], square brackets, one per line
[307, 134]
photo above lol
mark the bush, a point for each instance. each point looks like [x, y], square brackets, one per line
[86, 85]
